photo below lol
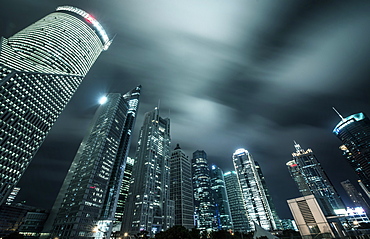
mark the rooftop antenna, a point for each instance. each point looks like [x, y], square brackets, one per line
[336, 111]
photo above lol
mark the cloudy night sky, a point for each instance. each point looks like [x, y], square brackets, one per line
[253, 74]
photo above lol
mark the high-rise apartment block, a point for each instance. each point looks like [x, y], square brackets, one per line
[238, 210]
[86, 203]
[148, 207]
[40, 69]
[311, 178]
[181, 188]
[221, 201]
[354, 132]
[203, 200]
[258, 202]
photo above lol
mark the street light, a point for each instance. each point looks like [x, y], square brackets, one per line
[127, 235]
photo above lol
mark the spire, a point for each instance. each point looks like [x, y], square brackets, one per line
[177, 146]
[297, 147]
[336, 111]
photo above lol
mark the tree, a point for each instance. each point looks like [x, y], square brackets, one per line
[14, 235]
[175, 232]
[222, 234]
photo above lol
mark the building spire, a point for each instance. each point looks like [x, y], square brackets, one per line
[297, 147]
[336, 111]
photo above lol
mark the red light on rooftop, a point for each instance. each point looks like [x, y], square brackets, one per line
[293, 165]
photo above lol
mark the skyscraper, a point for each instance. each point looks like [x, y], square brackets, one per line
[40, 69]
[238, 210]
[354, 132]
[86, 203]
[181, 188]
[148, 206]
[222, 208]
[255, 193]
[126, 181]
[355, 196]
[203, 200]
[311, 177]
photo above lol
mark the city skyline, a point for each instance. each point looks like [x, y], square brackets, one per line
[228, 78]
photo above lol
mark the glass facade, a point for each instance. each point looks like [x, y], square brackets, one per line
[86, 203]
[255, 193]
[148, 207]
[203, 200]
[222, 208]
[354, 132]
[237, 206]
[181, 188]
[311, 177]
[40, 69]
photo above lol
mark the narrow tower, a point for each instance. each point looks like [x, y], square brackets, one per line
[40, 69]
[148, 207]
[181, 188]
[87, 201]
[238, 210]
[203, 200]
[222, 208]
[255, 193]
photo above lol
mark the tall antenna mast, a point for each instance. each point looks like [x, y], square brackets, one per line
[336, 111]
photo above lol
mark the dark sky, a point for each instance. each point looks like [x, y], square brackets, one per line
[255, 74]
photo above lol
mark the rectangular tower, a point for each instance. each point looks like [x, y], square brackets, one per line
[314, 179]
[181, 188]
[40, 69]
[148, 206]
[219, 194]
[87, 201]
[237, 206]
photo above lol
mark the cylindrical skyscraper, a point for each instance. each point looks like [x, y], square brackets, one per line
[40, 69]
[354, 132]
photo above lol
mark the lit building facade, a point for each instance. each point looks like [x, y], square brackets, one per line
[148, 207]
[204, 213]
[257, 200]
[354, 132]
[308, 174]
[181, 188]
[86, 203]
[238, 210]
[314, 218]
[40, 69]
[355, 196]
[221, 202]
[126, 181]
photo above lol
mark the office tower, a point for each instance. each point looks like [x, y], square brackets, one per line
[86, 203]
[354, 195]
[237, 207]
[148, 207]
[221, 202]
[181, 188]
[313, 219]
[314, 177]
[126, 181]
[298, 177]
[12, 195]
[203, 201]
[40, 69]
[354, 132]
[254, 190]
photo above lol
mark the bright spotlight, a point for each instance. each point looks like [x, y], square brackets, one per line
[103, 100]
